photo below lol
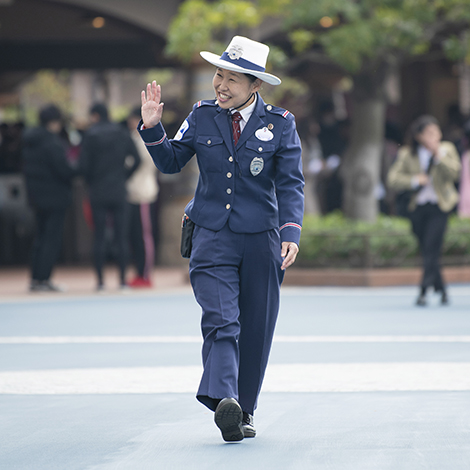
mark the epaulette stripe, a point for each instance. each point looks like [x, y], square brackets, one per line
[285, 114]
[158, 142]
[199, 103]
[291, 224]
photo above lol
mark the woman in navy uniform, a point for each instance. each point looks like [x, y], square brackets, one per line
[247, 210]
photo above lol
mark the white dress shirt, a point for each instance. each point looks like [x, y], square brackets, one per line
[427, 193]
[246, 113]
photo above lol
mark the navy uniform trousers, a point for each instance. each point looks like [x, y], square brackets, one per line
[236, 279]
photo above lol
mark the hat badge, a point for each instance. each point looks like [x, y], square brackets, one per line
[235, 52]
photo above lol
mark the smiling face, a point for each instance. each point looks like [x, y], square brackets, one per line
[232, 89]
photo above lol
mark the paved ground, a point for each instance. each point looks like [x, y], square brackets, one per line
[358, 379]
[80, 281]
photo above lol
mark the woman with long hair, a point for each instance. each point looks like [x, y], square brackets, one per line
[428, 167]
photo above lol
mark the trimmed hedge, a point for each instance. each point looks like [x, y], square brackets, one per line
[334, 241]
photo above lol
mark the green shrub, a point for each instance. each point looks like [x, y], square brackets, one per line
[334, 241]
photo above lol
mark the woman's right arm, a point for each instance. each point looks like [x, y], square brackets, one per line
[169, 156]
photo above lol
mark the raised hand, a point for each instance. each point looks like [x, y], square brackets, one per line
[152, 109]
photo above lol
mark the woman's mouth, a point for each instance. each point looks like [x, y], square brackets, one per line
[223, 97]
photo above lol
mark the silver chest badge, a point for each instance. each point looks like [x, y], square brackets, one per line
[256, 166]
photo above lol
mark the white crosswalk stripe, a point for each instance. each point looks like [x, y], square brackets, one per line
[317, 377]
[335, 377]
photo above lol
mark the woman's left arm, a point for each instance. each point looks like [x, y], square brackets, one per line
[448, 161]
[289, 183]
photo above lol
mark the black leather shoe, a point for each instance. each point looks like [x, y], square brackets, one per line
[444, 298]
[248, 425]
[421, 301]
[228, 417]
[45, 286]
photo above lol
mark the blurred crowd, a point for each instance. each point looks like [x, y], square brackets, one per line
[122, 182]
[122, 188]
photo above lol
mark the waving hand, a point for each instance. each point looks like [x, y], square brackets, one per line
[152, 109]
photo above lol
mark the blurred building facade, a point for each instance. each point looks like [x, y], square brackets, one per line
[108, 48]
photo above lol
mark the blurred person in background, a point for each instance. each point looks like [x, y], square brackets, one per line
[107, 158]
[10, 147]
[464, 186]
[48, 178]
[429, 169]
[333, 138]
[142, 191]
[312, 163]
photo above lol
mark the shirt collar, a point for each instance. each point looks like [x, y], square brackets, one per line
[248, 111]
[422, 150]
[424, 156]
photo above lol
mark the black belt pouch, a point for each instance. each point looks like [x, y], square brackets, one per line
[187, 228]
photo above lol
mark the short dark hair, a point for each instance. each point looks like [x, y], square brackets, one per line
[100, 109]
[418, 126]
[49, 113]
[252, 78]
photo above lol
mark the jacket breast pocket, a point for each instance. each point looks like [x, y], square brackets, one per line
[210, 152]
[259, 158]
[260, 147]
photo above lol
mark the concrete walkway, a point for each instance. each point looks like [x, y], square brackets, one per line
[79, 281]
[14, 282]
[359, 378]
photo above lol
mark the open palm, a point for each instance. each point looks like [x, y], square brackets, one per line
[152, 109]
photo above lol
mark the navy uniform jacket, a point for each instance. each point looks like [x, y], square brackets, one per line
[231, 186]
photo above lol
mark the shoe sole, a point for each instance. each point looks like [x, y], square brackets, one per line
[228, 419]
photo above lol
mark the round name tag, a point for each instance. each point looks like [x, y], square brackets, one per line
[264, 134]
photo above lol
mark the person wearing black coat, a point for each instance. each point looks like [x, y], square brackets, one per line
[48, 178]
[107, 158]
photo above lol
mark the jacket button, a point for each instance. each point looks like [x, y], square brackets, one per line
[229, 175]
[230, 159]
[269, 107]
[209, 142]
[260, 149]
[229, 191]
[227, 206]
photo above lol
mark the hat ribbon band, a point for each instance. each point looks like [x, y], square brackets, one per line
[243, 63]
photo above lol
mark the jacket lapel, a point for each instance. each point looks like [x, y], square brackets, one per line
[223, 123]
[255, 122]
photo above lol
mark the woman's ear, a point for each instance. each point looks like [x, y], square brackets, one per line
[256, 86]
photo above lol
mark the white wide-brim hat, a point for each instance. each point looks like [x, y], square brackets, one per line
[245, 56]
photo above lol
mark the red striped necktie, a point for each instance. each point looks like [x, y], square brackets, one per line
[236, 130]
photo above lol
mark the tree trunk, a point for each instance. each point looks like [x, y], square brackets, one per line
[362, 162]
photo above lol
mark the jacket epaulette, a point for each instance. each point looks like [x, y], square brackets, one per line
[205, 103]
[275, 110]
